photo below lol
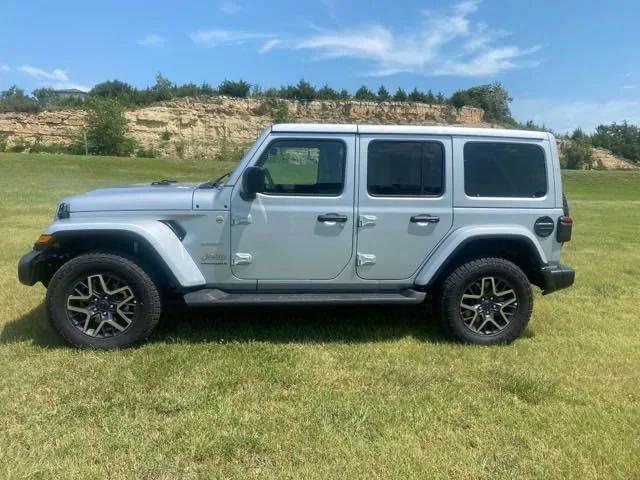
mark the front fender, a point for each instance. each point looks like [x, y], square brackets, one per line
[157, 236]
[460, 237]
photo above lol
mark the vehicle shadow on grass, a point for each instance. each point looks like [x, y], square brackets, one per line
[343, 324]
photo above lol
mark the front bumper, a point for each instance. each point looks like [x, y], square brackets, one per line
[556, 277]
[31, 267]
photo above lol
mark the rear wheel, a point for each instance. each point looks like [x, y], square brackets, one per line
[485, 301]
[102, 301]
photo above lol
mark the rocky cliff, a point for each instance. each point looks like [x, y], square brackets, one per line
[200, 128]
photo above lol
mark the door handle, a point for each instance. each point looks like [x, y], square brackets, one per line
[333, 217]
[425, 218]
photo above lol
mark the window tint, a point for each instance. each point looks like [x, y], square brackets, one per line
[398, 168]
[304, 167]
[504, 170]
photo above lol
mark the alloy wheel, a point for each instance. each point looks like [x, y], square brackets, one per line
[102, 305]
[488, 305]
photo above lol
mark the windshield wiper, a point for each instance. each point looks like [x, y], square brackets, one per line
[216, 182]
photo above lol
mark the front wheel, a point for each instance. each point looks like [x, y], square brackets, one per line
[102, 301]
[485, 301]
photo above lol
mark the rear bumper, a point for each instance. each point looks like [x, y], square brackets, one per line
[556, 277]
[30, 267]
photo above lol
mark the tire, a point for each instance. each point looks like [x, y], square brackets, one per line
[126, 314]
[473, 279]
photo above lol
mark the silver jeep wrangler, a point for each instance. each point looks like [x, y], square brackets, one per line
[320, 214]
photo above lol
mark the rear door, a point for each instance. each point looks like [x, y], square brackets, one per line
[405, 202]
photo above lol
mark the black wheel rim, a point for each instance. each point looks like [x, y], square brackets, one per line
[101, 305]
[488, 305]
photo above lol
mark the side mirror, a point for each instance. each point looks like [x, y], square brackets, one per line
[252, 182]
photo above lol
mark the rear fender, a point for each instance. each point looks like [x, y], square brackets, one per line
[447, 250]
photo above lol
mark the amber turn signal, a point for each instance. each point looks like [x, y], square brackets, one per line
[44, 239]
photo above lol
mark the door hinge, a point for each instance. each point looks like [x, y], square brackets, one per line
[365, 259]
[241, 259]
[367, 220]
[241, 220]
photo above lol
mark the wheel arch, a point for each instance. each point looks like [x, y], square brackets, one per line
[516, 247]
[156, 248]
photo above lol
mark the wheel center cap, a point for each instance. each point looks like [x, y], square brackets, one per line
[102, 304]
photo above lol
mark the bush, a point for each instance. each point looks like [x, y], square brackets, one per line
[4, 138]
[239, 89]
[493, 99]
[107, 129]
[577, 154]
[15, 100]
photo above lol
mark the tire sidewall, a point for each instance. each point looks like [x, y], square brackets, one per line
[69, 274]
[517, 281]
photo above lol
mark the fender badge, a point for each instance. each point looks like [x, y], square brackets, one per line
[219, 219]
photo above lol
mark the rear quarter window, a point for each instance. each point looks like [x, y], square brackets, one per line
[502, 169]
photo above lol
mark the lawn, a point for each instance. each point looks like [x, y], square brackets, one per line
[324, 392]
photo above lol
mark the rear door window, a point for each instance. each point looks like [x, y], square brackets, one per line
[502, 169]
[405, 168]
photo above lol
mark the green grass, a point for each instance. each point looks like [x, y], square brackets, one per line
[326, 392]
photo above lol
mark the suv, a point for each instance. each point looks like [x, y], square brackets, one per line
[320, 214]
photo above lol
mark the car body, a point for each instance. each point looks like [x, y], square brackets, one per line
[331, 214]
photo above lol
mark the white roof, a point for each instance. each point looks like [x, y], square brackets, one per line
[406, 129]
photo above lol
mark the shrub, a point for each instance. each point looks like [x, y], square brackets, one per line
[492, 98]
[577, 154]
[107, 129]
[15, 100]
[147, 152]
[4, 138]
[239, 89]
[281, 114]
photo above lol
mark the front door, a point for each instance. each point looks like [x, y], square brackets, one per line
[405, 203]
[302, 226]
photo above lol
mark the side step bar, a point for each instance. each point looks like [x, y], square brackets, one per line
[213, 296]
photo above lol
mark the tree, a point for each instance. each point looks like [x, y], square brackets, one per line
[364, 94]
[577, 154]
[344, 94]
[304, 91]
[111, 89]
[327, 93]
[400, 95]
[163, 89]
[492, 98]
[383, 94]
[15, 100]
[231, 88]
[107, 128]
[417, 96]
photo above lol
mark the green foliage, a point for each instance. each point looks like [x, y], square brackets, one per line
[15, 100]
[577, 154]
[147, 152]
[281, 113]
[417, 96]
[622, 139]
[492, 98]
[4, 138]
[383, 94]
[364, 94]
[232, 88]
[400, 95]
[327, 93]
[107, 129]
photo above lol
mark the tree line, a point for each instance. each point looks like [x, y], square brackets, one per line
[622, 139]
[492, 98]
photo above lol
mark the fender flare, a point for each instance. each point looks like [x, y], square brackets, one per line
[157, 236]
[461, 237]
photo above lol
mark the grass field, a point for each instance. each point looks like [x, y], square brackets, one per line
[331, 392]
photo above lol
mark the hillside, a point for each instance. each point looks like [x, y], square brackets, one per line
[198, 129]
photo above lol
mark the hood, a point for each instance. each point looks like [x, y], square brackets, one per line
[172, 196]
